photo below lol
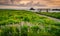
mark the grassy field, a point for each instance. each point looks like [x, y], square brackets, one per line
[27, 23]
[51, 14]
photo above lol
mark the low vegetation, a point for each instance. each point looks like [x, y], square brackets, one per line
[27, 23]
[51, 14]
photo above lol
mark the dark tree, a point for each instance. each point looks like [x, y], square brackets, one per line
[32, 9]
[56, 9]
[47, 10]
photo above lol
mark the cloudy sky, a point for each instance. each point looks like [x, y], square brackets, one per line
[31, 3]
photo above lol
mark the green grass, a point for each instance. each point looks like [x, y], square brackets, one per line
[27, 23]
[51, 14]
[17, 16]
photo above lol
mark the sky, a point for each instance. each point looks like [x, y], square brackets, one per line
[31, 3]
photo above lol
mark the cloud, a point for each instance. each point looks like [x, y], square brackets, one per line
[41, 3]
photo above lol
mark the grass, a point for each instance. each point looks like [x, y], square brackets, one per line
[27, 23]
[51, 14]
[16, 16]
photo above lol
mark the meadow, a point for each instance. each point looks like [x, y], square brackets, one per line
[27, 23]
[51, 14]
